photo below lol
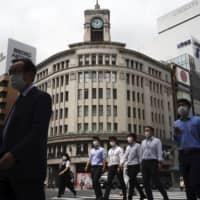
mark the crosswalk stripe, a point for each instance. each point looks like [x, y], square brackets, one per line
[157, 196]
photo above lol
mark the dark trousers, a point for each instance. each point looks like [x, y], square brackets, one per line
[150, 173]
[65, 181]
[21, 190]
[190, 169]
[96, 172]
[132, 171]
[112, 171]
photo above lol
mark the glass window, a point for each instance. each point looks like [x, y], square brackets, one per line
[85, 127]
[79, 127]
[87, 77]
[100, 76]
[94, 126]
[93, 59]
[94, 93]
[86, 94]
[108, 77]
[66, 112]
[129, 111]
[107, 59]
[100, 59]
[114, 77]
[128, 95]
[94, 76]
[127, 78]
[134, 112]
[114, 93]
[80, 111]
[101, 126]
[61, 113]
[108, 127]
[108, 93]
[108, 110]
[61, 97]
[87, 59]
[94, 110]
[86, 110]
[66, 96]
[133, 79]
[80, 77]
[139, 113]
[115, 111]
[115, 127]
[114, 59]
[100, 93]
[100, 110]
[80, 60]
[80, 94]
[67, 79]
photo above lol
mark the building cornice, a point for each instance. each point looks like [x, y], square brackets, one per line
[54, 57]
[90, 44]
[145, 57]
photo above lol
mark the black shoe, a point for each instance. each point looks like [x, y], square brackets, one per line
[75, 193]
[124, 198]
[59, 196]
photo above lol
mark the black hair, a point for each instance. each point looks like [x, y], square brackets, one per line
[113, 138]
[133, 135]
[96, 138]
[28, 65]
[67, 155]
[150, 127]
[185, 101]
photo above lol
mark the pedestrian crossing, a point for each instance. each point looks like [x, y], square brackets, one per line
[175, 195]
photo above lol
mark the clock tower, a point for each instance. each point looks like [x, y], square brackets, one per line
[97, 25]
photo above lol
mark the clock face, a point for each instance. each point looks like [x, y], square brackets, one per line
[97, 23]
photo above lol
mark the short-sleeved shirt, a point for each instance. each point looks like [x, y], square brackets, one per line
[97, 156]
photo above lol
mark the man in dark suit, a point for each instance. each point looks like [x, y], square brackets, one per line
[23, 138]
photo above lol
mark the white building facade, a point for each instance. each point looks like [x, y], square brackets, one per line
[100, 88]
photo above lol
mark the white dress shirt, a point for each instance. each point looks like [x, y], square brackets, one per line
[151, 149]
[115, 155]
[132, 154]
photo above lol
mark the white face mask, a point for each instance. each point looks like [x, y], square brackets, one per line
[183, 111]
[147, 134]
[95, 143]
[64, 158]
[130, 140]
[112, 144]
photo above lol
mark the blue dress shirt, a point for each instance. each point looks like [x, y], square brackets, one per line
[189, 136]
[97, 156]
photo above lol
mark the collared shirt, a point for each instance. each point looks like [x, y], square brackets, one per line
[132, 154]
[97, 156]
[115, 155]
[189, 136]
[151, 148]
[24, 93]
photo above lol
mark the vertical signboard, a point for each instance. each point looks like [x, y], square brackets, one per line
[18, 50]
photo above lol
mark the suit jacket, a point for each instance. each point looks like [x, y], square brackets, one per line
[27, 134]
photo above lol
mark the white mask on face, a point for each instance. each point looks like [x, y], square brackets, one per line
[130, 140]
[112, 144]
[17, 82]
[95, 143]
[64, 158]
[147, 134]
[183, 110]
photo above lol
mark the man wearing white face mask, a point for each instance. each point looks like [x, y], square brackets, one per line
[151, 157]
[97, 160]
[115, 156]
[23, 138]
[187, 136]
[132, 158]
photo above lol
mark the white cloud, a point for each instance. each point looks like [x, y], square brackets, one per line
[51, 25]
